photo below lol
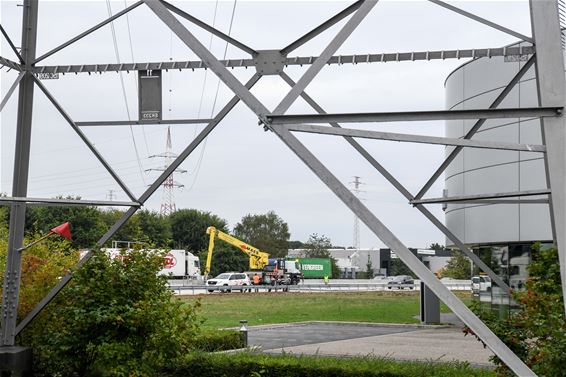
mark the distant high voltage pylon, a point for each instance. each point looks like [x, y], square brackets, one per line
[168, 201]
[356, 190]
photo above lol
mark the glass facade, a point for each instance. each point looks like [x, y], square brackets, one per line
[511, 263]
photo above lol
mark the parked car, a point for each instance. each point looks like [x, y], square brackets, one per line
[234, 280]
[480, 284]
[401, 282]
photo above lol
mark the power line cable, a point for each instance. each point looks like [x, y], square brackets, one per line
[197, 166]
[206, 71]
[75, 176]
[133, 60]
[117, 53]
[73, 173]
[83, 183]
[224, 57]
[201, 156]
[112, 139]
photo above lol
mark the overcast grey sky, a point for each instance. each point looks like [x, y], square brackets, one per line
[241, 169]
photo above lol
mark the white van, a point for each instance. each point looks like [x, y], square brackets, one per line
[480, 284]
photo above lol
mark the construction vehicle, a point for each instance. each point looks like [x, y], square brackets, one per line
[273, 271]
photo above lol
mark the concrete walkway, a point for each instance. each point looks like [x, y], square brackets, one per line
[403, 342]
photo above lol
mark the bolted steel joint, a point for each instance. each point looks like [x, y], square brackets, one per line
[269, 62]
[263, 121]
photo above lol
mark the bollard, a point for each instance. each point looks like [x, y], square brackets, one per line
[244, 332]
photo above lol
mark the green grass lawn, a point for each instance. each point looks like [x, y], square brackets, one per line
[226, 310]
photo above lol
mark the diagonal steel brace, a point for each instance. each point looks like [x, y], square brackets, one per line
[143, 198]
[389, 177]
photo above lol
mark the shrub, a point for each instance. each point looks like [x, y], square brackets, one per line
[221, 340]
[537, 332]
[42, 266]
[116, 317]
[261, 365]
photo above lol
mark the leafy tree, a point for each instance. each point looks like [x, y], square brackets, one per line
[226, 258]
[87, 225]
[188, 229]
[436, 246]
[459, 266]
[267, 232]
[295, 245]
[155, 228]
[317, 247]
[117, 317]
[130, 231]
[4, 215]
[537, 332]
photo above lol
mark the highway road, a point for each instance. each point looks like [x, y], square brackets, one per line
[195, 287]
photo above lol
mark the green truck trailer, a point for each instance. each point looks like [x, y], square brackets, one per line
[315, 268]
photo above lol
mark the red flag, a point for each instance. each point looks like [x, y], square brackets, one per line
[64, 230]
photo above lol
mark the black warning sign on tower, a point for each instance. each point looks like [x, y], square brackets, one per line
[150, 95]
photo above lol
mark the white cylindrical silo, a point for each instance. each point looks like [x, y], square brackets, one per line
[475, 85]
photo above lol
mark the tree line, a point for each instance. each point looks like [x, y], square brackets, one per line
[184, 229]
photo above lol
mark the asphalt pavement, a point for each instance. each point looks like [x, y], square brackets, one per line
[403, 342]
[283, 336]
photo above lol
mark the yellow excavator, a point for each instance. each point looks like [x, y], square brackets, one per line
[279, 271]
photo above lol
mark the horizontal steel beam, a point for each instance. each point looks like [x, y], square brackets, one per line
[53, 202]
[515, 52]
[365, 134]
[481, 196]
[504, 201]
[411, 116]
[141, 122]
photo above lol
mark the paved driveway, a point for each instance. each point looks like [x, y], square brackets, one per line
[440, 343]
[290, 335]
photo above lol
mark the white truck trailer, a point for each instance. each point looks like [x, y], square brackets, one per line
[176, 263]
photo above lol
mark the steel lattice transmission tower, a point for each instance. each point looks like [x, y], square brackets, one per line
[543, 45]
[168, 202]
[356, 239]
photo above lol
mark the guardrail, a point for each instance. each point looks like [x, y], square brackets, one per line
[331, 287]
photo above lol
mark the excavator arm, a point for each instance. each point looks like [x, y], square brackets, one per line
[258, 259]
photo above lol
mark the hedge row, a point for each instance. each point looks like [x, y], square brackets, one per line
[261, 365]
[212, 341]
